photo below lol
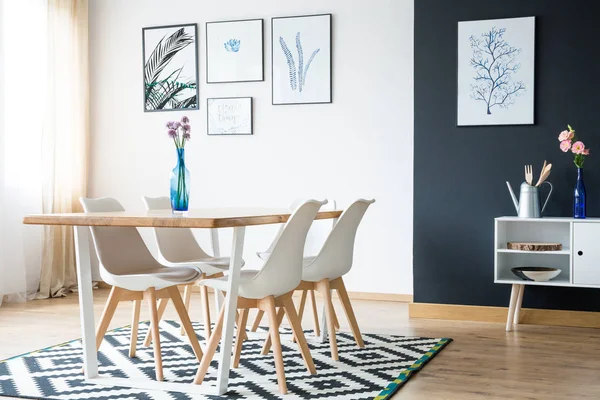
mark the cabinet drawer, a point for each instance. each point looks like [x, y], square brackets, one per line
[586, 253]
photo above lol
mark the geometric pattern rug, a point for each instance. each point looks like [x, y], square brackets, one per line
[374, 372]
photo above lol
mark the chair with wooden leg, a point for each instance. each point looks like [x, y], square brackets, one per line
[177, 248]
[325, 272]
[135, 275]
[313, 240]
[268, 288]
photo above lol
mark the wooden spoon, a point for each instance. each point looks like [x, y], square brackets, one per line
[541, 172]
[545, 174]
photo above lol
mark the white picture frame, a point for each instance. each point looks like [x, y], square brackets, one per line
[229, 116]
[496, 71]
[301, 59]
[234, 51]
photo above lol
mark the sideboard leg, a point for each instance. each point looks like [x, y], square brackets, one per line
[511, 308]
[519, 304]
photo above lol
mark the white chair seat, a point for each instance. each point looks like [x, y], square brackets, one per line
[209, 266]
[248, 288]
[158, 277]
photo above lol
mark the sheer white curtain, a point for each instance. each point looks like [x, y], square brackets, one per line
[43, 140]
[22, 88]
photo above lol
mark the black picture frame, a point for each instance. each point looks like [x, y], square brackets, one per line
[230, 134]
[330, 59]
[262, 49]
[196, 65]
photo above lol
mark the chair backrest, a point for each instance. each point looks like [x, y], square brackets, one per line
[312, 240]
[282, 271]
[335, 258]
[121, 250]
[175, 245]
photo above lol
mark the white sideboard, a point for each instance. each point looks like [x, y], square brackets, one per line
[579, 258]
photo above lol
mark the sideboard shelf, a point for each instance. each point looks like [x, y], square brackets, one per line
[579, 259]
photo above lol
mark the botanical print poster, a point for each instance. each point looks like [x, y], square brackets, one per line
[170, 68]
[234, 51]
[229, 116]
[496, 72]
[301, 59]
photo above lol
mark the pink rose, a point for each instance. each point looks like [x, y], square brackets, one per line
[565, 145]
[586, 152]
[565, 135]
[578, 147]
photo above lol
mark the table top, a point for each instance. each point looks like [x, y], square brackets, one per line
[195, 218]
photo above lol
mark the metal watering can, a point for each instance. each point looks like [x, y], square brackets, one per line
[528, 205]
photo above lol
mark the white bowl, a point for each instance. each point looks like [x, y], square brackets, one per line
[537, 274]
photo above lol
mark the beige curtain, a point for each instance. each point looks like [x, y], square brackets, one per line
[64, 139]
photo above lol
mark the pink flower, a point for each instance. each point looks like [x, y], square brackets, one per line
[186, 136]
[565, 145]
[578, 147]
[172, 133]
[170, 125]
[565, 135]
[586, 152]
[185, 120]
[186, 127]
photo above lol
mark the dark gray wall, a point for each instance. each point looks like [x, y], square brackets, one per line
[460, 171]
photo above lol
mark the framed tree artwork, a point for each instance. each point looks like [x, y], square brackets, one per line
[496, 72]
[170, 68]
[234, 51]
[229, 116]
[301, 59]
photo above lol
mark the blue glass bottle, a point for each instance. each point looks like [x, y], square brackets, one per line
[180, 185]
[579, 196]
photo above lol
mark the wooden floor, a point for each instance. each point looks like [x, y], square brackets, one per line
[484, 361]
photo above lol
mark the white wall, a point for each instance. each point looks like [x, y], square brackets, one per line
[359, 146]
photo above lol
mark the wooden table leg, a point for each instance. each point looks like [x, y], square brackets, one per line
[518, 305]
[230, 309]
[86, 301]
[514, 294]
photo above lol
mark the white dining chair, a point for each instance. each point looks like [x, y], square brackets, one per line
[178, 247]
[270, 287]
[325, 272]
[264, 255]
[135, 275]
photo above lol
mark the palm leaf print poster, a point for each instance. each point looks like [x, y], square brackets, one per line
[170, 68]
[301, 59]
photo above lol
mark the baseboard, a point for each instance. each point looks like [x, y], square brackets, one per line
[531, 316]
[399, 298]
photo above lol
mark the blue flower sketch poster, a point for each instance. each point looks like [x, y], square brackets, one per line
[234, 51]
[301, 59]
[496, 72]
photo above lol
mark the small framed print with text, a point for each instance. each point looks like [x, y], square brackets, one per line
[229, 116]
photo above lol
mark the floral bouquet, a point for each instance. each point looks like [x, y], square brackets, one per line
[568, 141]
[179, 131]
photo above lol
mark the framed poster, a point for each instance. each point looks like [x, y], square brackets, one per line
[496, 72]
[301, 59]
[170, 67]
[234, 51]
[229, 116]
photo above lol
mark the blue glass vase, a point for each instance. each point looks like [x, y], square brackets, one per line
[180, 185]
[579, 196]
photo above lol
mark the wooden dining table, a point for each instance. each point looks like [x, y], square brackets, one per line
[236, 218]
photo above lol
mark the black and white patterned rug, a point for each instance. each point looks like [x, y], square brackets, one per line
[374, 372]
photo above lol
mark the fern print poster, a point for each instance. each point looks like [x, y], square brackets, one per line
[170, 68]
[496, 72]
[301, 59]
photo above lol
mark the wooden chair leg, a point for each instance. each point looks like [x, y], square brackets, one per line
[296, 325]
[162, 305]
[267, 345]
[277, 354]
[206, 311]
[345, 299]
[154, 320]
[315, 313]
[187, 296]
[107, 314]
[239, 338]
[336, 323]
[325, 290]
[257, 319]
[185, 320]
[135, 321]
[211, 348]
[301, 308]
